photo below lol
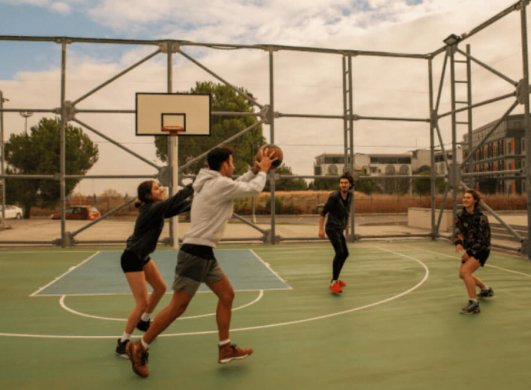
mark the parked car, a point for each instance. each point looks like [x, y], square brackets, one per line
[12, 212]
[79, 212]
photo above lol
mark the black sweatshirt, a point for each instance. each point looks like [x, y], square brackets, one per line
[337, 210]
[472, 231]
[150, 222]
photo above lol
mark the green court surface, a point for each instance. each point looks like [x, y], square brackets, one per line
[396, 325]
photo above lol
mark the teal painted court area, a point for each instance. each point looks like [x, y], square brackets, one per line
[396, 325]
[100, 273]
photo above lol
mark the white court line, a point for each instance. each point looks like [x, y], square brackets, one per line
[78, 313]
[259, 327]
[486, 265]
[272, 271]
[43, 252]
[128, 293]
[67, 272]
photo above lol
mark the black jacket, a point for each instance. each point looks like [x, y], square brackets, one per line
[150, 222]
[337, 210]
[472, 231]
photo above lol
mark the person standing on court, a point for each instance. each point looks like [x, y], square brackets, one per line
[337, 208]
[472, 235]
[136, 260]
[212, 207]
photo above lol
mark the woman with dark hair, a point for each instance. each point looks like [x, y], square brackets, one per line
[472, 235]
[136, 262]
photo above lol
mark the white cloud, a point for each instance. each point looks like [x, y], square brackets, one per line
[275, 21]
[305, 83]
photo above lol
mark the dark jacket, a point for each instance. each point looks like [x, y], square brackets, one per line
[337, 210]
[149, 223]
[472, 231]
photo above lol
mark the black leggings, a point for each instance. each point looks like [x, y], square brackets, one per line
[337, 239]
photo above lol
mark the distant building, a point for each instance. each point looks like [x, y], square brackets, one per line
[377, 164]
[386, 164]
[504, 150]
[421, 160]
[329, 164]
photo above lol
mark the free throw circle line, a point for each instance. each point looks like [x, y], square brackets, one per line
[78, 313]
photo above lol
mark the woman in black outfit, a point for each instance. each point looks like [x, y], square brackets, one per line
[472, 236]
[136, 261]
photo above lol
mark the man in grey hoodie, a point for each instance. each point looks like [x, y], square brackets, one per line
[212, 207]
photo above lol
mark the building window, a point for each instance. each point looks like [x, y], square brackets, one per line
[332, 169]
[509, 146]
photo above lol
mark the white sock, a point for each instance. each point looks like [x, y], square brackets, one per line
[145, 317]
[224, 342]
[333, 282]
[125, 336]
[144, 344]
[473, 300]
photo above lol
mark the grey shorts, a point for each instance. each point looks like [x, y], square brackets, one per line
[192, 270]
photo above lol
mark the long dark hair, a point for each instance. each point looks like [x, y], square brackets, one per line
[476, 196]
[143, 193]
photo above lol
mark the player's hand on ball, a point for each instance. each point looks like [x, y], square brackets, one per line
[274, 153]
[265, 160]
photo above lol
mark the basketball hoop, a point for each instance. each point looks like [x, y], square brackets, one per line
[173, 130]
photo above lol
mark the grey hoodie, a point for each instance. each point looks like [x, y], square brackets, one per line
[212, 205]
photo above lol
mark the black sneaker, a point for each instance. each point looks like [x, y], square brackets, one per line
[143, 325]
[486, 293]
[120, 349]
[471, 308]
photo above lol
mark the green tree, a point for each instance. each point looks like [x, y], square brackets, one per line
[285, 184]
[422, 185]
[38, 153]
[367, 186]
[223, 98]
[325, 184]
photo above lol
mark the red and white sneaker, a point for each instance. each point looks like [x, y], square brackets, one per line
[229, 352]
[342, 284]
[336, 288]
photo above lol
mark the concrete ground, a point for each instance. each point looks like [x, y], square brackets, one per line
[287, 227]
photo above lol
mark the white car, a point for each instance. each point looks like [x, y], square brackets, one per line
[12, 212]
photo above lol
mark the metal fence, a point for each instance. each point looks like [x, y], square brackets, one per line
[175, 53]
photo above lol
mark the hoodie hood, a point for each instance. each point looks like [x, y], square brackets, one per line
[204, 176]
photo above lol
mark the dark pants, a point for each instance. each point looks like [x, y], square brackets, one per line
[337, 239]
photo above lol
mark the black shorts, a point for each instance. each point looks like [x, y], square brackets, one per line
[481, 257]
[130, 262]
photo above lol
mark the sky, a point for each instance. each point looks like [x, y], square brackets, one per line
[304, 83]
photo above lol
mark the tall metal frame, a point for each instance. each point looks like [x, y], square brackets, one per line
[267, 115]
[520, 94]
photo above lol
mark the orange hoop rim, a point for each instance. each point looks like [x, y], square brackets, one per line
[173, 130]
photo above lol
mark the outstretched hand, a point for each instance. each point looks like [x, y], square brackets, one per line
[265, 161]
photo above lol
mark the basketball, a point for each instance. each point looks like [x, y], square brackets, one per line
[277, 153]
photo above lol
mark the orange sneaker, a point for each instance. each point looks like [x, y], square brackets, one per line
[336, 288]
[342, 284]
[229, 352]
[139, 358]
